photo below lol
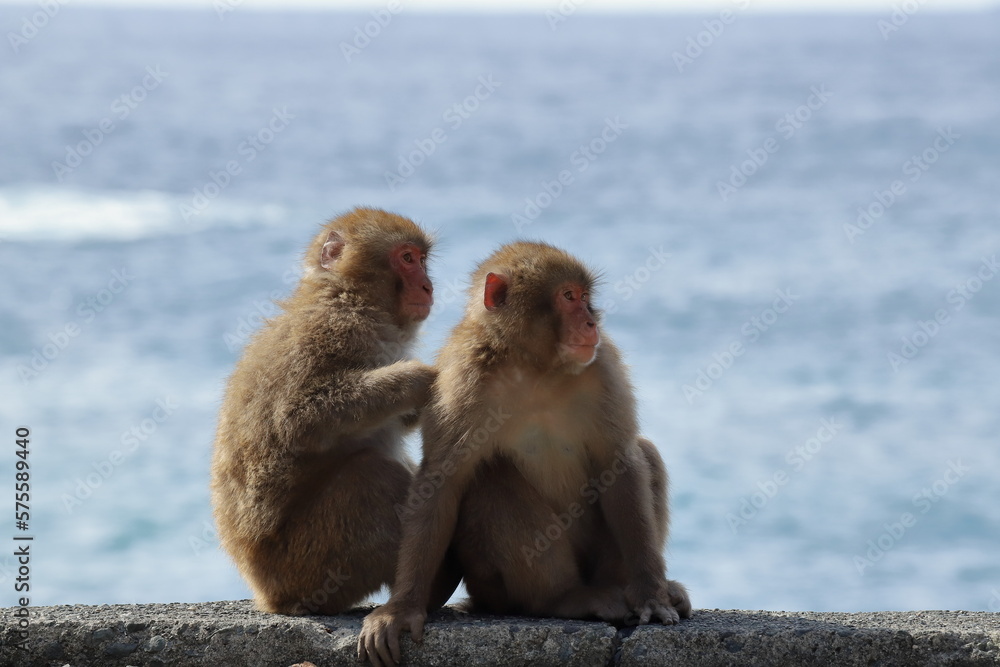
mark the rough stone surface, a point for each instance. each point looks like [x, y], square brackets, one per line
[233, 633]
[883, 639]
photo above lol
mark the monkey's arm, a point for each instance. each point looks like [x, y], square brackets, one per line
[628, 507]
[352, 402]
[400, 389]
[427, 532]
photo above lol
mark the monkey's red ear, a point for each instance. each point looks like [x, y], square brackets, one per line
[331, 249]
[495, 294]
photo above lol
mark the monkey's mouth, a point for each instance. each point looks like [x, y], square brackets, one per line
[420, 310]
[580, 354]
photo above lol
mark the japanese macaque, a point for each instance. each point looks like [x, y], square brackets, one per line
[309, 460]
[534, 477]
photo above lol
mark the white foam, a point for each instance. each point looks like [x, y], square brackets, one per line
[67, 214]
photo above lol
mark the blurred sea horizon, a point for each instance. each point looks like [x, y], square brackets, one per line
[795, 222]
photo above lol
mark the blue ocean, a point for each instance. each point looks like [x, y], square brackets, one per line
[796, 219]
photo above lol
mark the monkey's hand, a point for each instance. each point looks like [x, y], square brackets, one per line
[379, 638]
[667, 602]
[416, 376]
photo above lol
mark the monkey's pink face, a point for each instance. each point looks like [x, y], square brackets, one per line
[417, 294]
[578, 335]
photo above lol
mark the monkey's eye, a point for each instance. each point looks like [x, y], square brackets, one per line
[408, 257]
[585, 297]
[568, 294]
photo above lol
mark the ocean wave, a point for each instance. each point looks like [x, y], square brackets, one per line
[62, 214]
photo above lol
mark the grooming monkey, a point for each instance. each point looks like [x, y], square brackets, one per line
[531, 405]
[309, 460]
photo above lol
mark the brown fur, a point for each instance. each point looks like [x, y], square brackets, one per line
[309, 461]
[514, 438]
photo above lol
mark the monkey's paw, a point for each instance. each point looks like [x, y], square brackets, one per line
[653, 610]
[379, 637]
[679, 598]
[668, 605]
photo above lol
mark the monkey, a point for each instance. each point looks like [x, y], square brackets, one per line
[308, 460]
[534, 477]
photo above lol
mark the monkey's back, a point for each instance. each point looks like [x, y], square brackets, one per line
[265, 414]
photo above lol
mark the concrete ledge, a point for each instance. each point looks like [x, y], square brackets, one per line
[232, 633]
